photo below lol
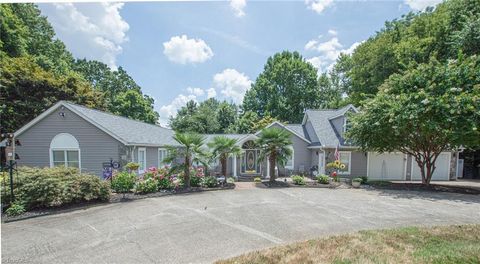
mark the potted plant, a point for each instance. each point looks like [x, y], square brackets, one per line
[356, 182]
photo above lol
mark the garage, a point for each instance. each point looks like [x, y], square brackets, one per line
[441, 172]
[386, 166]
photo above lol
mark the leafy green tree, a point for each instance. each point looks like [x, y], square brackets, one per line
[404, 43]
[134, 105]
[246, 123]
[208, 117]
[222, 148]
[27, 90]
[275, 145]
[190, 151]
[262, 123]
[285, 88]
[423, 112]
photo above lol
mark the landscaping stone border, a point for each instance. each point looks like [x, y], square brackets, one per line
[114, 198]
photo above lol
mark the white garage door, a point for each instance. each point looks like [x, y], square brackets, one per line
[441, 171]
[386, 166]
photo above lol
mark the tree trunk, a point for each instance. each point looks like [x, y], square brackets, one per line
[187, 172]
[224, 167]
[426, 162]
[271, 159]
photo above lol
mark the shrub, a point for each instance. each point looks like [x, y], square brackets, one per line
[148, 185]
[323, 179]
[298, 180]
[15, 209]
[195, 181]
[209, 181]
[47, 187]
[357, 180]
[123, 182]
[230, 180]
[364, 179]
[132, 166]
[257, 179]
[164, 182]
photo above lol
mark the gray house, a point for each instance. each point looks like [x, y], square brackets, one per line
[72, 135]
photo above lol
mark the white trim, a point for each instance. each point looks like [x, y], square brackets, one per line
[235, 165]
[286, 128]
[349, 162]
[246, 138]
[344, 124]
[144, 158]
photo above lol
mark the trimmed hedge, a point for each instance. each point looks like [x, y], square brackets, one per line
[50, 187]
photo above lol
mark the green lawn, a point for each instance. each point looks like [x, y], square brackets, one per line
[447, 244]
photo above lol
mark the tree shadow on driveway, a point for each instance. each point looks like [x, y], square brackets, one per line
[426, 195]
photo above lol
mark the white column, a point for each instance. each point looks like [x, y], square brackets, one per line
[268, 168]
[235, 166]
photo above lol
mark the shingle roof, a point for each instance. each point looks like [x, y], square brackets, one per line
[132, 132]
[322, 126]
[299, 129]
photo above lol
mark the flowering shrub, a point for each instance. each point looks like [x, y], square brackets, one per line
[123, 182]
[146, 186]
[336, 166]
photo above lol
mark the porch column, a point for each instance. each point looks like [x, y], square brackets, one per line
[268, 168]
[235, 166]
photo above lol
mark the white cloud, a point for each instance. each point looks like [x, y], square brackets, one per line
[232, 84]
[328, 52]
[421, 4]
[196, 91]
[332, 32]
[181, 49]
[89, 30]
[211, 93]
[238, 6]
[170, 110]
[318, 5]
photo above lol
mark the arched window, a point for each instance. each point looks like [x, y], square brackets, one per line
[65, 151]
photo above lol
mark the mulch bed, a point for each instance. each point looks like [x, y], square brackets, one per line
[421, 187]
[282, 184]
[114, 198]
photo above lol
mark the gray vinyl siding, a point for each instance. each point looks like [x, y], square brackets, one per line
[337, 124]
[311, 131]
[96, 146]
[151, 156]
[301, 155]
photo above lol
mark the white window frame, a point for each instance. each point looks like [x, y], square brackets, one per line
[292, 157]
[349, 162]
[65, 149]
[344, 124]
[160, 162]
[144, 159]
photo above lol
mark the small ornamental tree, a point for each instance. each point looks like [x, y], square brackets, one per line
[223, 147]
[275, 145]
[190, 151]
[423, 112]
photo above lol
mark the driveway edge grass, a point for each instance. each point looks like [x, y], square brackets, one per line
[440, 244]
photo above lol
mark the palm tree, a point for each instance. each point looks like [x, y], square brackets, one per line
[274, 143]
[190, 150]
[223, 147]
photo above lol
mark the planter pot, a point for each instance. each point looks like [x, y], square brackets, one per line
[356, 184]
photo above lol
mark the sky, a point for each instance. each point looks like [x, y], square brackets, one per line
[181, 51]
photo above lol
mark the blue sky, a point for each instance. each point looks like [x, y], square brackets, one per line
[180, 51]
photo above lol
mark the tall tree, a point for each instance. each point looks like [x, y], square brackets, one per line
[26, 90]
[285, 88]
[222, 148]
[423, 112]
[275, 146]
[246, 122]
[134, 105]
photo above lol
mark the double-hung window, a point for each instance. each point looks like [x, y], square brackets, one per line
[345, 158]
[291, 160]
[142, 159]
[65, 151]
[162, 154]
[67, 158]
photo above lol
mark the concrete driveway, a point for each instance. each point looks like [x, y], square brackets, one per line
[203, 227]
